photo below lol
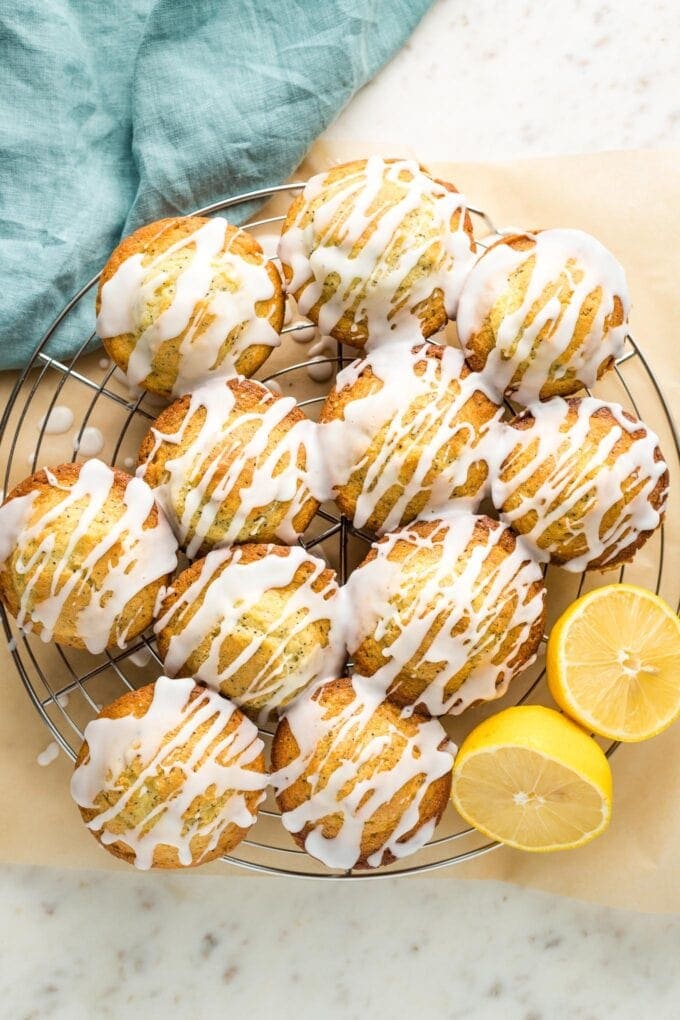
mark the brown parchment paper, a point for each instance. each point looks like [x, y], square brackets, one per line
[631, 201]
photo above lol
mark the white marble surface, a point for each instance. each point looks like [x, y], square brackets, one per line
[97, 945]
[488, 79]
[496, 79]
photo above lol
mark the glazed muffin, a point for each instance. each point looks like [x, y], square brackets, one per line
[377, 249]
[228, 463]
[84, 551]
[257, 623]
[407, 430]
[358, 783]
[185, 299]
[544, 314]
[446, 613]
[169, 776]
[583, 481]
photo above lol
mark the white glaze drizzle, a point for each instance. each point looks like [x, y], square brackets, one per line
[516, 340]
[441, 598]
[144, 554]
[581, 471]
[420, 755]
[379, 248]
[216, 766]
[189, 477]
[135, 282]
[230, 592]
[57, 421]
[345, 443]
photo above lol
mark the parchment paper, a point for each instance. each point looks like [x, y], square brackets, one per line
[631, 201]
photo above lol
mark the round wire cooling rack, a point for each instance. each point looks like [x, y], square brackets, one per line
[68, 687]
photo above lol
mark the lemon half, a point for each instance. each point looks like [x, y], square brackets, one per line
[531, 778]
[613, 662]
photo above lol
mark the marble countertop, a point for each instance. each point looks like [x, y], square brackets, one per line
[92, 944]
[488, 80]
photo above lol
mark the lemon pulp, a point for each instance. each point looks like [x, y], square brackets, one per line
[534, 780]
[613, 662]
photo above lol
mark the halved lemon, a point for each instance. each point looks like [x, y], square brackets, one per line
[613, 662]
[534, 780]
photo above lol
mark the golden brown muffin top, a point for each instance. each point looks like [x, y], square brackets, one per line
[170, 775]
[185, 299]
[582, 480]
[376, 249]
[85, 549]
[405, 430]
[358, 783]
[228, 463]
[258, 623]
[446, 612]
[543, 314]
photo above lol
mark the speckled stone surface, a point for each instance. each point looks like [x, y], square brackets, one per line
[497, 80]
[488, 80]
[93, 945]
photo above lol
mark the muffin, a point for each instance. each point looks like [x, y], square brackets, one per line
[169, 776]
[228, 463]
[446, 613]
[257, 623]
[583, 481]
[407, 430]
[185, 299]
[377, 249]
[84, 551]
[358, 783]
[544, 314]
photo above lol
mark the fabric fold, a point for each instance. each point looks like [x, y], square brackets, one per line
[114, 115]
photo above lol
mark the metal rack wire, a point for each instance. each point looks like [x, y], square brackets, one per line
[68, 687]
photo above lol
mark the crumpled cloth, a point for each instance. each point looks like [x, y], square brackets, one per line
[117, 112]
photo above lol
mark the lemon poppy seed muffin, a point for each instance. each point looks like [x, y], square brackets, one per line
[257, 623]
[582, 480]
[377, 249]
[84, 551]
[544, 314]
[446, 612]
[406, 430]
[359, 784]
[228, 463]
[187, 298]
[169, 776]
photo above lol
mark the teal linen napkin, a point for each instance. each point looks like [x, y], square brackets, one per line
[116, 112]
